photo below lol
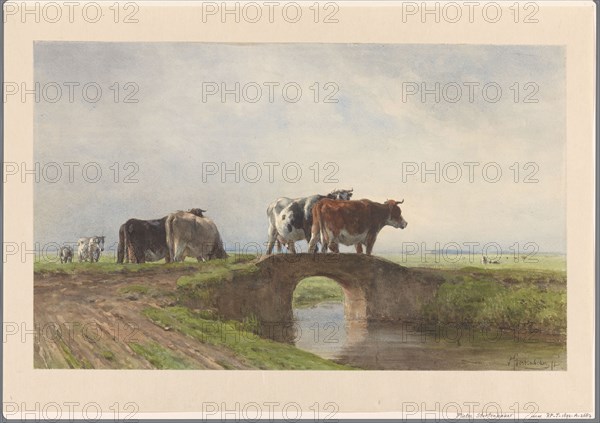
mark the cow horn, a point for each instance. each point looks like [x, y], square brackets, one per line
[400, 202]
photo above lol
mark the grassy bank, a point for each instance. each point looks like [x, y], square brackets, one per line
[238, 338]
[108, 265]
[486, 302]
[508, 295]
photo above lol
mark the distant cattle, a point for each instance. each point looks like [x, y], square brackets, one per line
[487, 260]
[94, 250]
[83, 246]
[352, 223]
[145, 240]
[290, 220]
[189, 235]
[65, 253]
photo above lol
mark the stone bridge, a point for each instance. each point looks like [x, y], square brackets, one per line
[374, 288]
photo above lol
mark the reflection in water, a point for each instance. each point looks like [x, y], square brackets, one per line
[324, 331]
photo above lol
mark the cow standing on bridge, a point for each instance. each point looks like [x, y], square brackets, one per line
[189, 235]
[352, 223]
[145, 240]
[83, 247]
[290, 220]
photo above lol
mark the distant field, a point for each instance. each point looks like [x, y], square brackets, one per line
[312, 291]
[540, 261]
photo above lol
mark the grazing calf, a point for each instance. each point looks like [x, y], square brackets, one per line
[352, 223]
[65, 253]
[290, 220]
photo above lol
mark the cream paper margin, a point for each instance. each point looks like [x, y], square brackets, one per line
[571, 24]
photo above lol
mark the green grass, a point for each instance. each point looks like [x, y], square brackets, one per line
[109, 355]
[312, 291]
[486, 301]
[159, 357]
[72, 361]
[107, 264]
[215, 271]
[247, 346]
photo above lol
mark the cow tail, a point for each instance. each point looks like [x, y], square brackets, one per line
[170, 238]
[121, 246]
[314, 229]
[323, 232]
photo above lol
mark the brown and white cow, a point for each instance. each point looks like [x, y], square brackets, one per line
[352, 223]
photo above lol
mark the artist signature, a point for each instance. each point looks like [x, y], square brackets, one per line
[525, 363]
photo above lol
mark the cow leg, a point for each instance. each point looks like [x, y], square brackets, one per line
[370, 242]
[334, 247]
[272, 238]
[292, 247]
[324, 241]
[312, 245]
[359, 249]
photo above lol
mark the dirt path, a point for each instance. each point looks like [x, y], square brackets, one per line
[96, 321]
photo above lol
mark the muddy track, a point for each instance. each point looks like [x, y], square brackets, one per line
[96, 321]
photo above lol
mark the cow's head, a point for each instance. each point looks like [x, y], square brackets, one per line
[396, 220]
[197, 212]
[100, 241]
[291, 219]
[341, 194]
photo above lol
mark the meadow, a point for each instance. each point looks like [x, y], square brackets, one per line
[506, 295]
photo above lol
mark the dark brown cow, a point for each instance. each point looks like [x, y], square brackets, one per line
[352, 223]
[145, 240]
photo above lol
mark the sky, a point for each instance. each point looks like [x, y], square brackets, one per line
[375, 137]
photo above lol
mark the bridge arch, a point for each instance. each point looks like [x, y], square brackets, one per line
[355, 297]
[374, 288]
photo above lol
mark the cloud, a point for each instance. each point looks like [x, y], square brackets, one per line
[368, 133]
